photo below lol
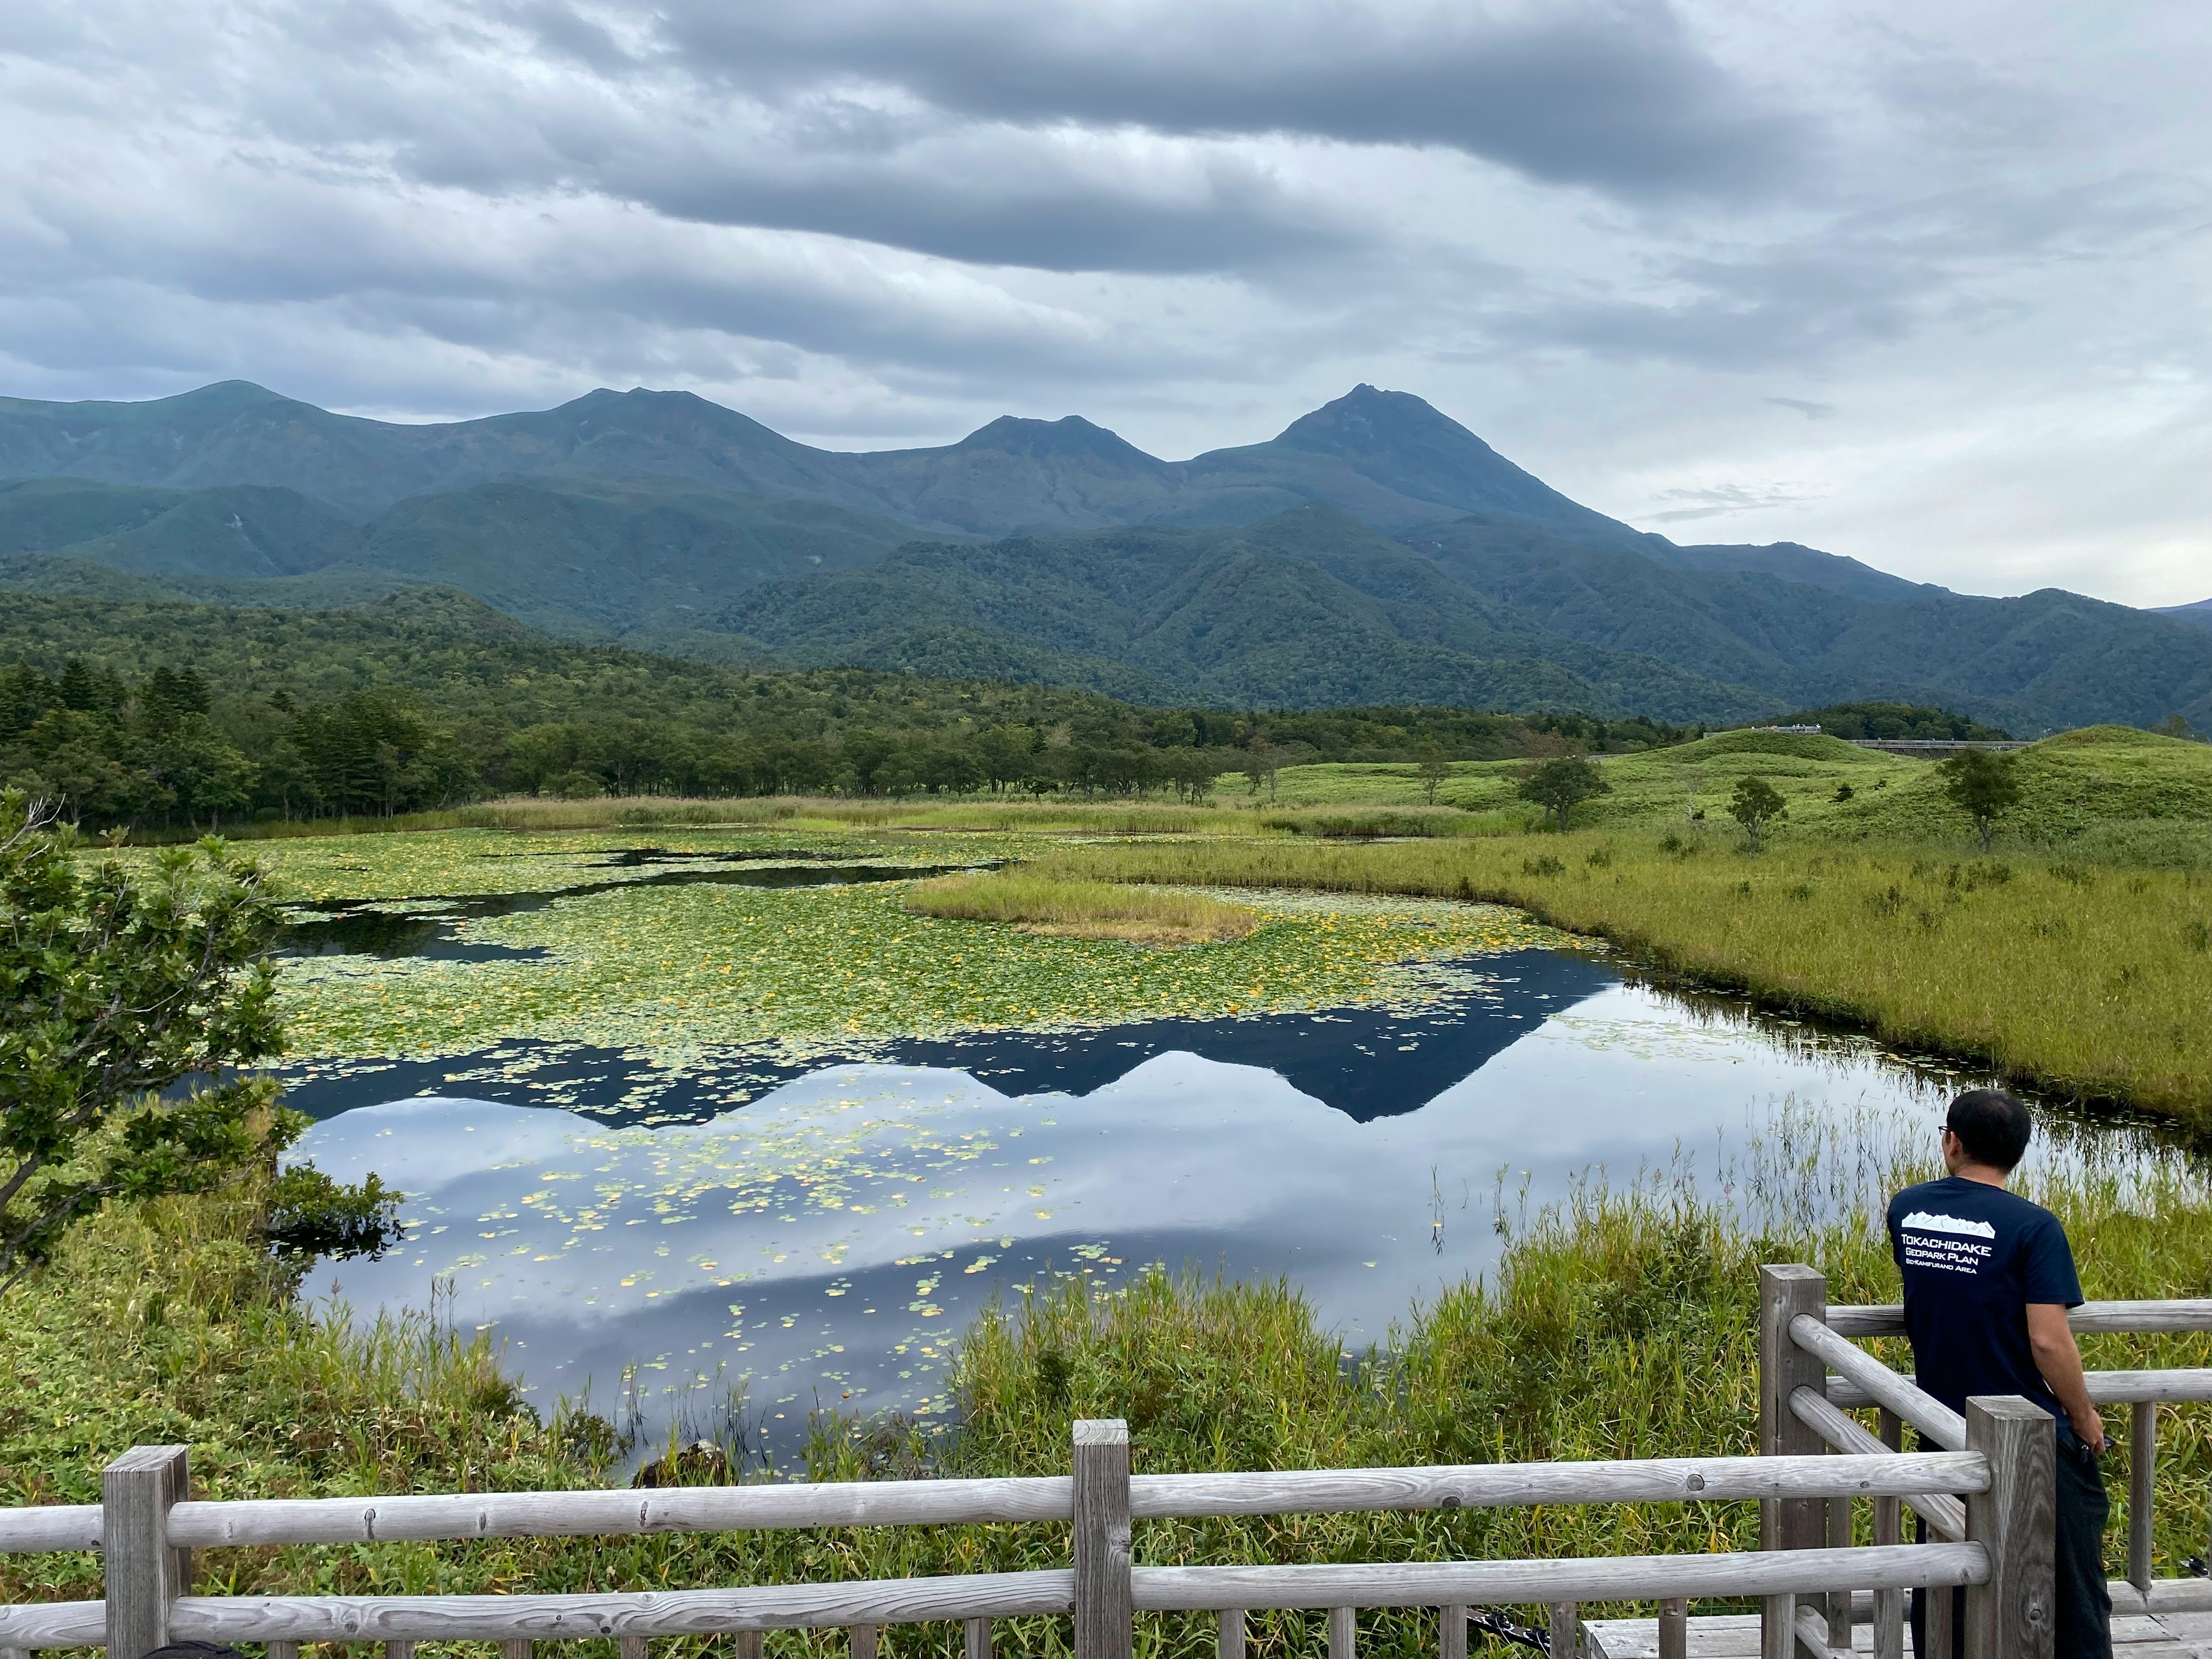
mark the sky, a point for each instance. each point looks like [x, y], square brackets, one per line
[1926, 284]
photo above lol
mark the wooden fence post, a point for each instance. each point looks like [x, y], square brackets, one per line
[1105, 1623]
[1797, 1523]
[1343, 1633]
[1566, 1631]
[975, 1638]
[144, 1574]
[1674, 1628]
[1451, 1632]
[2143, 1482]
[1228, 1643]
[2010, 1616]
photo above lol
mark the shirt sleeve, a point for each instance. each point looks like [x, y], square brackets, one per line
[1896, 1240]
[2046, 1267]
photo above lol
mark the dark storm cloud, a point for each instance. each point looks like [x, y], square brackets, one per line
[1612, 95]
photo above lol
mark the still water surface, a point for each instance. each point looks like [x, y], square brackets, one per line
[823, 1244]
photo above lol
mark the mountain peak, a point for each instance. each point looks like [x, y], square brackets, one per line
[1367, 420]
[1070, 436]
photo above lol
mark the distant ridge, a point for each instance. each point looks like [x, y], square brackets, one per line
[1385, 457]
[2200, 613]
[1374, 552]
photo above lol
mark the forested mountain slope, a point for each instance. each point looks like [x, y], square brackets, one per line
[1262, 574]
[1386, 457]
[1309, 608]
[2042, 662]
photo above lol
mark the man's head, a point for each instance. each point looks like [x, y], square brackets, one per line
[1986, 1128]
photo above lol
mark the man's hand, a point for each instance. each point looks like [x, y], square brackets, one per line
[2057, 1357]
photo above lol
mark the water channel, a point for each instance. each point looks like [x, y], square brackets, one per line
[824, 1244]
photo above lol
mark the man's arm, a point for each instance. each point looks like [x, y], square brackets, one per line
[2060, 1361]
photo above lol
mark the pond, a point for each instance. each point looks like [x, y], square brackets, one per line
[664, 1228]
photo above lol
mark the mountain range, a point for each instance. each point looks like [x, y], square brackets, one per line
[1373, 552]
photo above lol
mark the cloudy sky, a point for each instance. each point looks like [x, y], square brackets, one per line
[1922, 283]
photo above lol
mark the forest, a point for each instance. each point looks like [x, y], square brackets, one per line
[179, 716]
[186, 716]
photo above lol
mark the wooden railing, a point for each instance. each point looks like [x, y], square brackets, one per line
[1984, 1494]
[146, 1527]
[1811, 1373]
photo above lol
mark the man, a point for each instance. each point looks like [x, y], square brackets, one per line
[1988, 1279]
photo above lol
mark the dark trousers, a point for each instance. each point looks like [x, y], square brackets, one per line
[2083, 1607]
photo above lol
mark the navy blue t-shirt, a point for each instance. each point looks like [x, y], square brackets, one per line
[1973, 1256]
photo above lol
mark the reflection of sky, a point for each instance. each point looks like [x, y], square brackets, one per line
[831, 1238]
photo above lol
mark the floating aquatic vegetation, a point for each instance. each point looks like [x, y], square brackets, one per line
[678, 970]
[349, 869]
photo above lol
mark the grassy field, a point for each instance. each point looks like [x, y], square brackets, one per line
[2086, 981]
[1084, 909]
[1620, 1325]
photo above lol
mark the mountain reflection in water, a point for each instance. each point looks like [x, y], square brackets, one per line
[829, 1240]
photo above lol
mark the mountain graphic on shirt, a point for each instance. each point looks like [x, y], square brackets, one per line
[1922, 1221]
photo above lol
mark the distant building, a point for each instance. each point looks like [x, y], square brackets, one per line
[1794, 730]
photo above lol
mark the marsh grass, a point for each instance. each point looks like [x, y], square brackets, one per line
[1618, 1323]
[2081, 979]
[1084, 909]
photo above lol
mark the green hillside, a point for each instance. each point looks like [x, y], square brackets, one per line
[173, 714]
[2109, 793]
[1307, 609]
[2050, 659]
[1263, 573]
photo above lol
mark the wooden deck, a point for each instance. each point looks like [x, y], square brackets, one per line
[1736, 1636]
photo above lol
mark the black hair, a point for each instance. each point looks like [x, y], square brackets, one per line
[1991, 1126]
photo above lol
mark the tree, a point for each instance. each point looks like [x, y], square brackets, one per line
[1755, 804]
[1433, 772]
[1262, 760]
[1981, 784]
[115, 984]
[1559, 785]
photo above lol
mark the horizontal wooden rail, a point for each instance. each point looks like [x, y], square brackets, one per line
[1883, 1386]
[205, 1525]
[652, 1613]
[1887, 1319]
[2106, 1387]
[1946, 1515]
[54, 1625]
[666, 1509]
[1591, 1578]
[1496, 1486]
[46, 1528]
[2165, 1595]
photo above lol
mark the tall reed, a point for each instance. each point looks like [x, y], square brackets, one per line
[2083, 981]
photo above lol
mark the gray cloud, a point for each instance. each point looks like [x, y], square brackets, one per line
[1613, 95]
[1600, 231]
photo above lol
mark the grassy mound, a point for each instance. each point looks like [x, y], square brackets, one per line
[2078, 784]
[1084, 909]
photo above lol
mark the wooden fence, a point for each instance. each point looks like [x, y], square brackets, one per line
[1984, 1491]
[1812, 1373]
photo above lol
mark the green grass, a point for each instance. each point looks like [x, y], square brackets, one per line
[2109, 794]
[1084, 909]
[2082, 981]
[1617, 1325]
